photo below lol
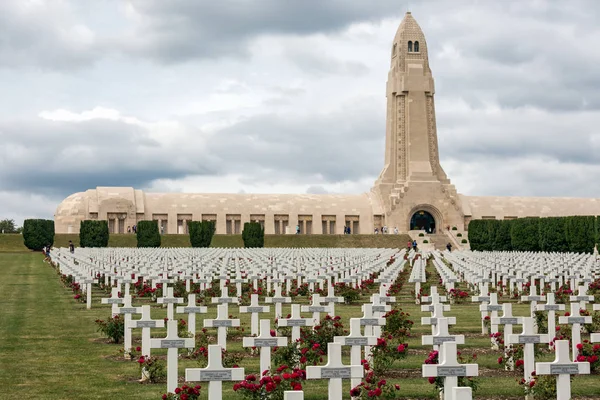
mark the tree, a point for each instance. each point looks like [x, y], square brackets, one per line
[148, 234]
[201, 233]
[253, 235]
[581, 233]
[552, 234]
[502, 238]
[525, 235]
[93, 233]
[38, 233]
[8, 226]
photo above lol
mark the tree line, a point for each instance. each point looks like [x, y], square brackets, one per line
[38, 233]
[551, 234]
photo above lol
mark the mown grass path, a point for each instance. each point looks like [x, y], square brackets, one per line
[49, 347]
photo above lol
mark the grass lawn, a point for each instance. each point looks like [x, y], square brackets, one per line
[50, 349]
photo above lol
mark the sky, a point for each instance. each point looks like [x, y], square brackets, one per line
[286, 96]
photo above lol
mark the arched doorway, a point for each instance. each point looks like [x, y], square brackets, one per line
[422, 220]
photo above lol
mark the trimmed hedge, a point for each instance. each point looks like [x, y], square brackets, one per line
[93, 233]
[148, 234]
[551, 234]
[201, 233]
[253, 235]
[38, 233]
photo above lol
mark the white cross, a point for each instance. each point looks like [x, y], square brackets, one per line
[295, 321]
[169, 300]
[434, 297]
[222, 322]
[254, 308]
[533, 297]
[214, 373]
[484, 299]
[265, 341]
[316, 308]
[575, 320]
[449, 369]
[494, 307]
[508, 321]
[438, 312]
[551, 307]
[335, 371]
[581, 297]
[278, 300]
[224, 298]
[114, 300]
[528, 338]
[356, 340]
[442, 335]
[564, 368]
[191, 310]
[88, 291]
[331, 298]
[146, 322]
[293, 395]
[172, 342]
[128, 310]
[368, 320]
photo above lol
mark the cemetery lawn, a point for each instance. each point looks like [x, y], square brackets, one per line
[50, 349]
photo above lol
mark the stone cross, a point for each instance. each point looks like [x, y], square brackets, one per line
[449, 369]
[581, 297]
[295, 321]
[484, 299]
[356, 340]
[128, 310]
[441, 336]
[222, 322]
[528, 338]
[564, 368]
[368, 320]
[331, 299]
[115, 300]
[434, 297]
[254, 308]
[191, 310]
[533, 297]
[551, 307]
[492, 307]
[145, 323]
[278, 300]
[575, 320]
[169, 300]
[508, 320]
[214, 373]
[224, 298]
[265, 342]
[88, 291]
[335, 371]
[316, 308]
[438, 312]
[172, 343]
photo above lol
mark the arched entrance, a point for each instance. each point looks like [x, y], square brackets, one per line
[422, 220]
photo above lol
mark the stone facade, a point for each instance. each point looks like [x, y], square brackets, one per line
[412, 180]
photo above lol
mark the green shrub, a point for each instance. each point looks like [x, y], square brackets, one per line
[421, 234]
[454, 228]
[581, 233]
[459, 235]
[502, 240]
[425, 241]
[552, 234]
[524, 234]
[201, 233]
[148, 234]
[38, 233]
[464, 241]
[93, 233]
[253, 235]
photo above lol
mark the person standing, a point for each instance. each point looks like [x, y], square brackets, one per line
[71, 247]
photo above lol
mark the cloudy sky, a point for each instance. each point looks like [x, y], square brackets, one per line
[288, 96]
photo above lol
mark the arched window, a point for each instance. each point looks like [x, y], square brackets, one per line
[416, 47]
[394, 50]
[409, 46]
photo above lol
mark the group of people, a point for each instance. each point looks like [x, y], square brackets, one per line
[132, 229]
[384, 230]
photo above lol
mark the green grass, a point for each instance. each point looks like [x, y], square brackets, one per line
[14, 243]
[50, 349]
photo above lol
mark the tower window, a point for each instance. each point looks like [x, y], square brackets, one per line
[410, 46]
[416, 47]
[394, 50]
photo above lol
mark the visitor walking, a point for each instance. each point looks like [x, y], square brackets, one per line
[71, 247]
[414, 245]
[449, 247]
[396, 230]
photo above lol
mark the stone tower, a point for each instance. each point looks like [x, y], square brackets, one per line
[412, 180]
